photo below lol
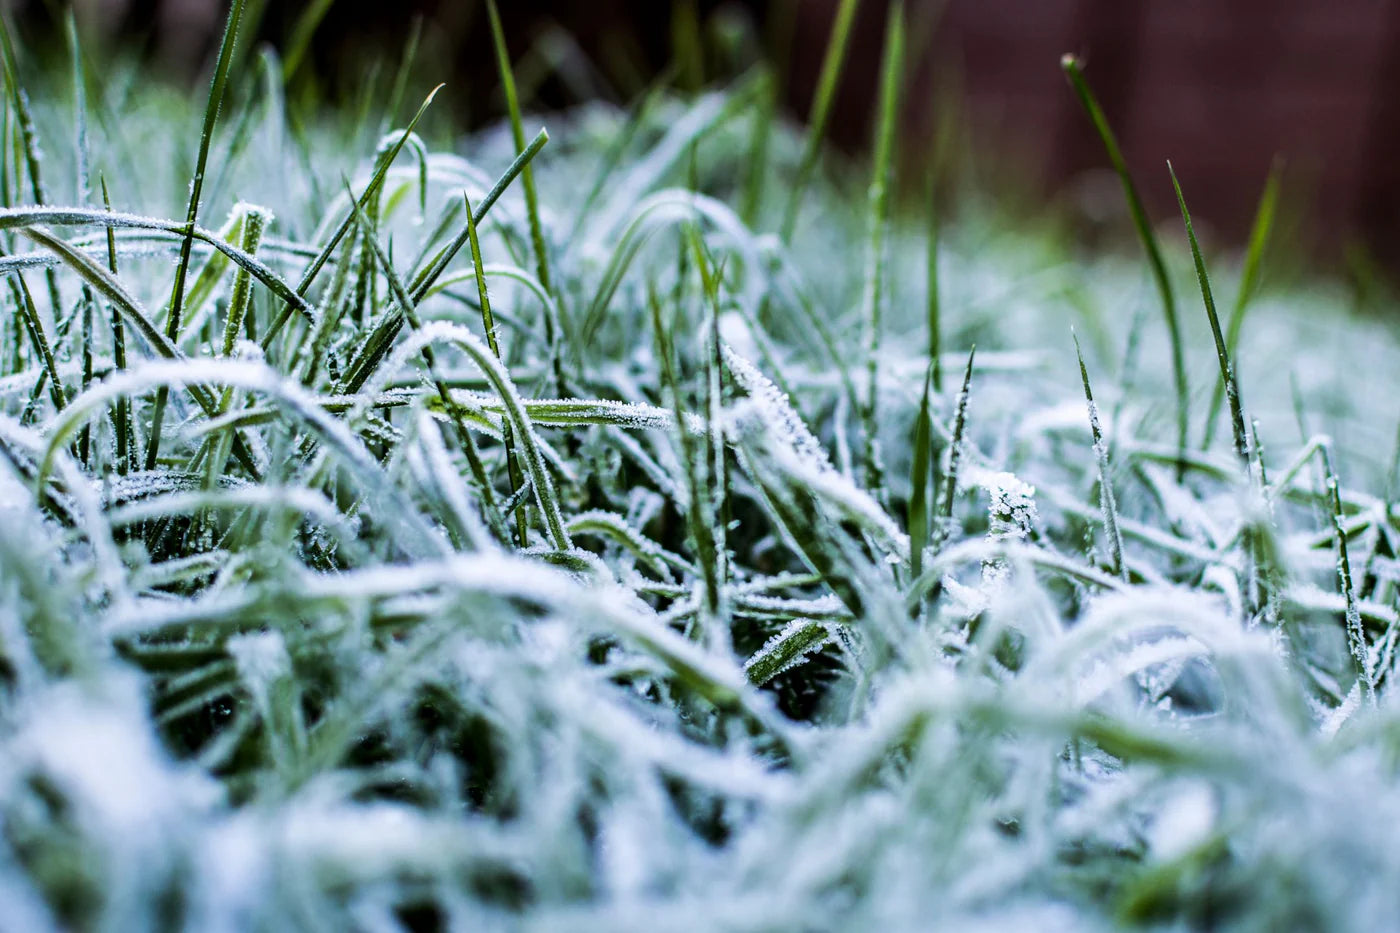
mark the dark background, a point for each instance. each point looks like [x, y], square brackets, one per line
[1221, 87]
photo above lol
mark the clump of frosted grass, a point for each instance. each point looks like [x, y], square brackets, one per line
[406, 625]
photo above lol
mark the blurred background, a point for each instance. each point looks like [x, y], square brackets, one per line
[1222, 87]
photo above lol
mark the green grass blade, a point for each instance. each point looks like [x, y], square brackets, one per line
[206, 135]
[527, 182]
[517, 129]
[254, 222]
[1073, 69]
[920, 479]
[34, 325]
[686, 48]
[760, 135]
[121, 414]
[1107, 502]
[833, 64]
[488, 324]
[454, 411]
[28, 142]
[80, 134]
[944, 520]
[933, 308]
[892, 72]
[1249, 283]
[405, 69]
[311, 16]
[1222, 352]
[1356, 634]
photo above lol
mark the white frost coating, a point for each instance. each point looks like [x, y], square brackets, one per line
[1104, 673]
[1184, 821]
[261, 657]
[632, 416]
[787, 649]
[1334, 719]
[99, 750]
[776, 412]
[1011, 509]
[734, 332]
[828, 605]
[495, 372]
[13, 495]
[800, 454]
[1012, 517]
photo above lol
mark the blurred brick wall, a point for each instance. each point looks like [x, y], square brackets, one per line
[1220, 87]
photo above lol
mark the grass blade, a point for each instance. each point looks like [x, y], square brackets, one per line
[1107, 503]
[944, 520]
[28, 142]
[1249, 284]
[454, 411]
[933, 308]
[920, 479]
[517, 130]
[892, 72]
[254, 222]
[832, 65]
[1356, 635]
[121, 414]
[206, 135]
[1222, 352]
[1073, 69]
[527, 181]
[488, 324]
[311, 16]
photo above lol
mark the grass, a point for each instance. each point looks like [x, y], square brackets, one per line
[509, 558]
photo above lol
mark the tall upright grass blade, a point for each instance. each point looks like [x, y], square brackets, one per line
[28, 141]
[517, 130]
[527, 182]
[34, 325]
[1108, 503]
[920, 481]
[699, 516]
[832, 65]
[892, 73]
[1222, 352]
[303, 30]
[760, 134]
[405, 69]
[933, 307]
[254, 222]
[1249, 283]
[1073, 70]
[1356, 634]
[686, 46]
[121, 414]
[488, 324]
[206, 135]
[80, 132]
[715, 501]
[944, 520]
[454, 411]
